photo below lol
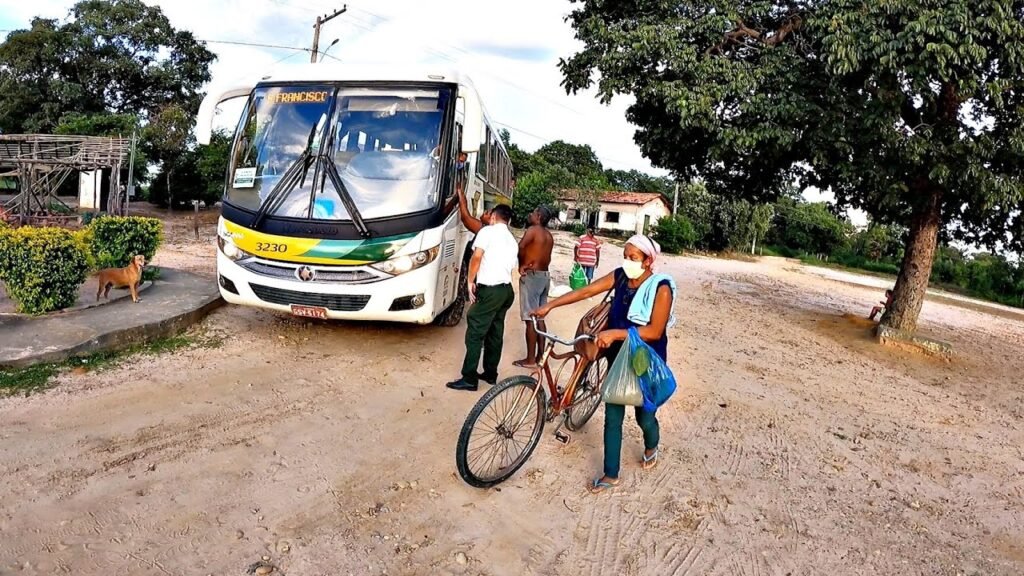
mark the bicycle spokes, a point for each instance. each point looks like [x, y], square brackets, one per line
[502, 432]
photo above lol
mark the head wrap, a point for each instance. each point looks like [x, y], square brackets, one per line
[649, 247]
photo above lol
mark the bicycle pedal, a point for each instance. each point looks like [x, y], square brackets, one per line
[561, 437]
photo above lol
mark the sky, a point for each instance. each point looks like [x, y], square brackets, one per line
[510, 49]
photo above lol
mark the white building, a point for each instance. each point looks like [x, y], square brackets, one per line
[624, 212]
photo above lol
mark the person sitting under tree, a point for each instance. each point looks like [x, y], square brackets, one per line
[880, 309]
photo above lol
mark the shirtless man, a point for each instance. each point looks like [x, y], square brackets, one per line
[879, 309]
[534, 281]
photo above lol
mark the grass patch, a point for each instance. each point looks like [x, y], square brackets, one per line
[877, 273]
[26, 380]
[37, 378]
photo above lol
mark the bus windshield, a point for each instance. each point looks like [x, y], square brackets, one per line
[380, 148]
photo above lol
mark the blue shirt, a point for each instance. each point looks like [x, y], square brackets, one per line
[618, 316]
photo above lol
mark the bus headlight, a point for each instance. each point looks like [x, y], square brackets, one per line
[230, 250]
[403, 264]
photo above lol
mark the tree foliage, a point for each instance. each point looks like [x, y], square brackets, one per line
[908, 109]
[809, 227]
[197, 174]
[109, 56]
[637, 181]
[561, 165]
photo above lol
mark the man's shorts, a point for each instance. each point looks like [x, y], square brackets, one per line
[533, 292]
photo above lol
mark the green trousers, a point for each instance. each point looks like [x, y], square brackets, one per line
[485, 330]
[614, 414]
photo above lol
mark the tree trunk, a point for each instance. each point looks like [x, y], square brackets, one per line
[170, 194]
[919, 252]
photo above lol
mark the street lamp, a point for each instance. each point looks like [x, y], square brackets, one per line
[324, 53]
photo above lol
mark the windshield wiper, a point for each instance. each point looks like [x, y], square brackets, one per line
[289, 180]
[331, 171]
[346, 199]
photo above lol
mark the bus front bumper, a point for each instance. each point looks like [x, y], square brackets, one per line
[408, 298]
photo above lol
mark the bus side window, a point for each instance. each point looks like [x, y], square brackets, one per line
[481, 157]
[460, 175]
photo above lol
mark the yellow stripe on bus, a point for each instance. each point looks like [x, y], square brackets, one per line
[284, 248]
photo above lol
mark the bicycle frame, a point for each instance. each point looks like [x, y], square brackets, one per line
[559, 400]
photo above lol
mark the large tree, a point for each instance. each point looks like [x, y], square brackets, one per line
[108, 57]
[908, 109]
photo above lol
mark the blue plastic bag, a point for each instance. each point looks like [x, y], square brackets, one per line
[656, 379]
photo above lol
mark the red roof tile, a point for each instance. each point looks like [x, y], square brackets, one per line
[617, 197]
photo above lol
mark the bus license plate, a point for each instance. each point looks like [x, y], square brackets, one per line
[309, 311]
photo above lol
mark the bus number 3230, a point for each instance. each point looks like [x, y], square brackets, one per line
[271, 247]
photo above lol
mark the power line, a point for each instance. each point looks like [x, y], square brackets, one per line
[256, 45]
[438, 49]
[550, 140]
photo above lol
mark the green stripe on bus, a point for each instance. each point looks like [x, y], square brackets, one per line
[374, 250]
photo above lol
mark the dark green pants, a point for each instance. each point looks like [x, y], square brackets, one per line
[485, 330]
[614, 414]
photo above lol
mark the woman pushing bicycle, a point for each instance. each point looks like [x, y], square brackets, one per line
[641, 300]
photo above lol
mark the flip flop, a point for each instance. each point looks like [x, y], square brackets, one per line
[599, 486]
[523, 364]
[650, 461]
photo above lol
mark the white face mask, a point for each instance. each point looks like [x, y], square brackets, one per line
[632, 268]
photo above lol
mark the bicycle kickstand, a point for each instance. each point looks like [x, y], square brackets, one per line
[562, 436]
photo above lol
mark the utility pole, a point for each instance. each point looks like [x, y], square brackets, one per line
[675, 199]
[320, 21]
[131, 176]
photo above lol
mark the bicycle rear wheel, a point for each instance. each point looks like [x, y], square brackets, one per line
[587, 395]
[500, 432]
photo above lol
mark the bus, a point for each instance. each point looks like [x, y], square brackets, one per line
[340, 199]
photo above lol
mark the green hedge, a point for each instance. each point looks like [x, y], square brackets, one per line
[115, 240]
[675, 234]
[42, 268]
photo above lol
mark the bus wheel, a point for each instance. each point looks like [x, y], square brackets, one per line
[452, 315]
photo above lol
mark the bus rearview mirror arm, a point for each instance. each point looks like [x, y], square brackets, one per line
[207, 110]
[473, 126]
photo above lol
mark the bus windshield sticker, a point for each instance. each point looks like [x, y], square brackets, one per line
[244, 178]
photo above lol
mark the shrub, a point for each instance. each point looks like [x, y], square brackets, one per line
[575, 228]
[115, 240]
[42, 268]
[675, 234]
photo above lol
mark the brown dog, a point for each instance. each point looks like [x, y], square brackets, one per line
[130, 276]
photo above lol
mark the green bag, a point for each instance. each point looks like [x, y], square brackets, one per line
[578, 278]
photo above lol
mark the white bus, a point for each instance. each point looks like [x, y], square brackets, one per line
[340, 200]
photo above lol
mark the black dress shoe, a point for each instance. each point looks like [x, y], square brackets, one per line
[492, 380]
[462, 385]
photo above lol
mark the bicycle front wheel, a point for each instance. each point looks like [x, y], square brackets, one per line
[500, 432]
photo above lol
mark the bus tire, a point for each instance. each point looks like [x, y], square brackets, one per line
[452, 315]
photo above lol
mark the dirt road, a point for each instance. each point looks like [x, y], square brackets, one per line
[794, 446]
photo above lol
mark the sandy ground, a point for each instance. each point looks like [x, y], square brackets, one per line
[795, 445]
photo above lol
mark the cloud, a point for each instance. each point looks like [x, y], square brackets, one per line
[510, 49]
[527, 53]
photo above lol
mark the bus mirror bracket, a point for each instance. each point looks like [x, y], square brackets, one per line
[207, 110]
[473, 124]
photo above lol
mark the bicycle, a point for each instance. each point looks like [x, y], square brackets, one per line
[519, 407]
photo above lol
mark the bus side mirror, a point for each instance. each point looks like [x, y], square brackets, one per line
[473, 125]
[204, 119]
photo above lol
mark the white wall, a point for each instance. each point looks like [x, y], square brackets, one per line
[89, 184]
[656, 210]
[631, 216]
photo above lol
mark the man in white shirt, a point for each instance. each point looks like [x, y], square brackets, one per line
[495, 256]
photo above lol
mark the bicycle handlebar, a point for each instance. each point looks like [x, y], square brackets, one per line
[573, 342]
